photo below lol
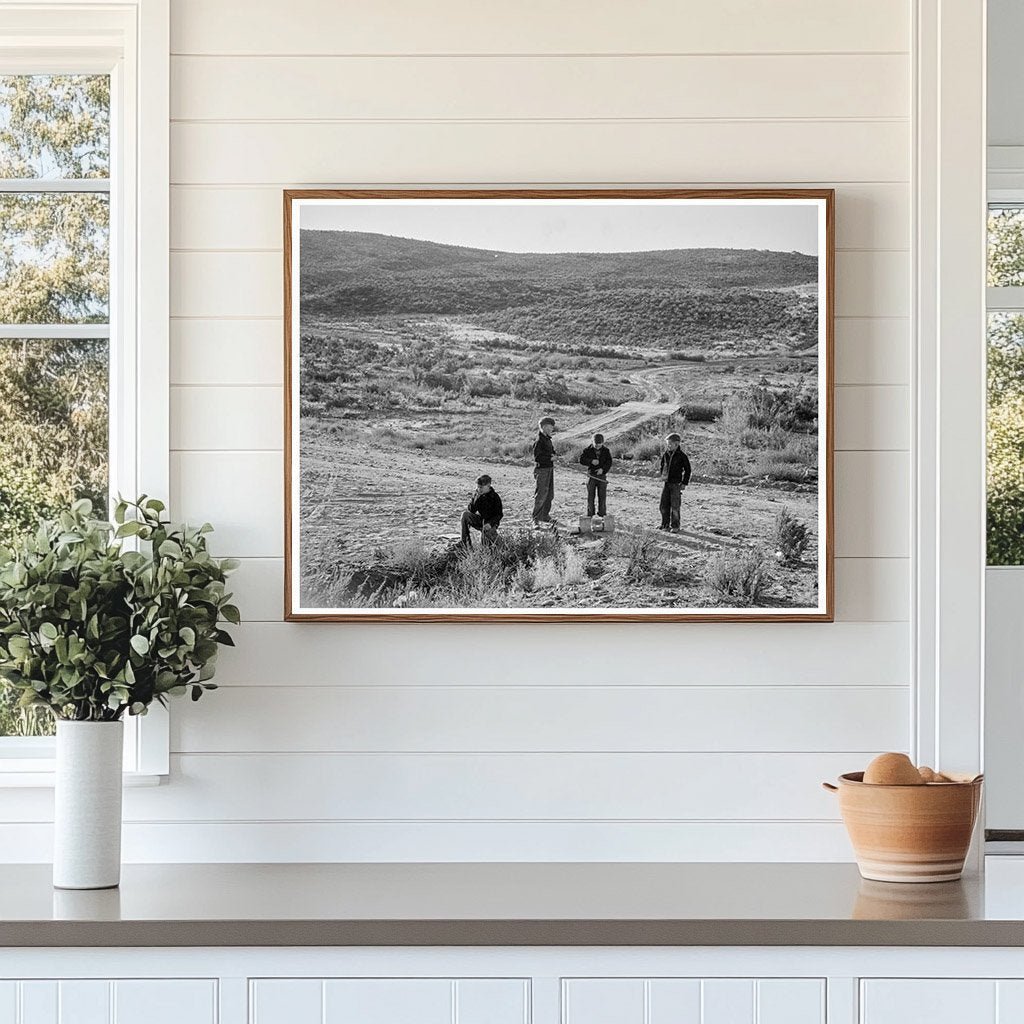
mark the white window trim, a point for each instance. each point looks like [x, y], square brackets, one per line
[131, 40]
[949, 446]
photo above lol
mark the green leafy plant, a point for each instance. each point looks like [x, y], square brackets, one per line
[91, 629]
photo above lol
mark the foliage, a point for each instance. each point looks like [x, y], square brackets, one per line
[738, 576]
[1005, 482]
[790, 537]
[1005, 541]
[53, 407]
[702, 412]
[91, 630]
[1006, 247]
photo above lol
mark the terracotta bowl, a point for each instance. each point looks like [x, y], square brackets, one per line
[909, 833]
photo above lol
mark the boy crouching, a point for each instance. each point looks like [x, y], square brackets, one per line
[484, 513]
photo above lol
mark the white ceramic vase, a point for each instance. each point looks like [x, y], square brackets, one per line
[87, 808]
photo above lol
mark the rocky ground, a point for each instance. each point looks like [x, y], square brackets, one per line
[360, 500]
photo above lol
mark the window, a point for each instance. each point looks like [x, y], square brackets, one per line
[54, 308]
[84, 124]
[1005, 486]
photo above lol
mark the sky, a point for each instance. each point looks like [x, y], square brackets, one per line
[578, 225]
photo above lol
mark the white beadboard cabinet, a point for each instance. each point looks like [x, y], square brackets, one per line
[513, 985]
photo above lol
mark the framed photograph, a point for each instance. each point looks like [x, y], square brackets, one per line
[559, 405]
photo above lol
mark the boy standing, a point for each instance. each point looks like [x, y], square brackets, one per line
[543, 472]
[675, 471]
[598, 460]
[484, 513]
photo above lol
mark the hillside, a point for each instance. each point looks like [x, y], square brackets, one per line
[349, 272]
[698, 299]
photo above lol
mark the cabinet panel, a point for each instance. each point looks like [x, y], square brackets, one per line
[790, 1001]
[929, 1001]
[603, 1001]
[102, 1001]
[165, 1002]
[674, 1000]
[286, 1001]
[694, 1001]
[8, 1002]
[492, 1001]
[84, 1002]
[39, 1003]
[388, 1001]
[727, 1001]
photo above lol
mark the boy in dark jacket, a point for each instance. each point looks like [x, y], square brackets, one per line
[598, 460]
[544, 471]
[675, 471]
[484, 513]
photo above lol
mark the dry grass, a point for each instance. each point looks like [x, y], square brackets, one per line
[738, 577]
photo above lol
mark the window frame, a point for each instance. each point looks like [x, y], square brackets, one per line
[130, 41]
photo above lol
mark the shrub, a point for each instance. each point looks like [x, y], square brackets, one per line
[790, 537]
[738, 576]
[647, 450]
[796, 463]
[702, 412]
[643, 556]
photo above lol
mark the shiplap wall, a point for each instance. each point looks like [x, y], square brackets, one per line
[427, 742]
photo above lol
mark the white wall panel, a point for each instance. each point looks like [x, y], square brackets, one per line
[873, 216]
[227, 418]
[495, 719]
[460, 787]
[229, 842]
[873, 283]
[872, 589]
[872, 500]
[579, 26]
[708, 653]
[241, 493]
[873, 418]
[538, 88]
[538, 151]
[211, 352]
[429, 741]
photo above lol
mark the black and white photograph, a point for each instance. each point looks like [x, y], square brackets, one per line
[559, 405]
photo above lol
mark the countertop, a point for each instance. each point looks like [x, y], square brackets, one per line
[558, 904]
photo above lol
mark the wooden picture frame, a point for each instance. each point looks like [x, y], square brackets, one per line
[387, 201]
